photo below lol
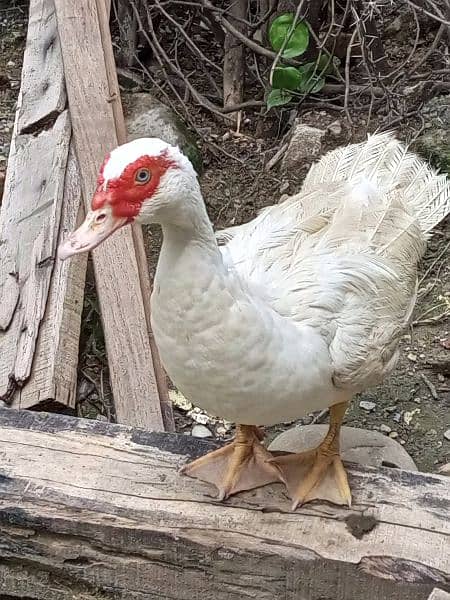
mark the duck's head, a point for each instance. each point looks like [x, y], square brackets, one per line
[145, 181]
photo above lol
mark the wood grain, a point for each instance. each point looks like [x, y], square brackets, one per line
[53, 375]
[42, 89]
[31, 209]
[41, 302]
[115, 264]
[91, 510]
[103, 9]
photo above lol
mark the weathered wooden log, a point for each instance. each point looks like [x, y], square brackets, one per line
[91, 510]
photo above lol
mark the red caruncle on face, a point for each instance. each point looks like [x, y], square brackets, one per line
[136, 184]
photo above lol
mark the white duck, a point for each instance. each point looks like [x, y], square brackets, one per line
[299, 310]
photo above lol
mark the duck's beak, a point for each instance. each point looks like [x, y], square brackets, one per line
[98, 225]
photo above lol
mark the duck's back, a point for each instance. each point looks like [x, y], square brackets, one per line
[342, 254]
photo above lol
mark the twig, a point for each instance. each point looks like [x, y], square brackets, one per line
[440, 255]
[434, 16]
[157, 46]
[241, 37]
[430, 386]
[347, 75]
[276, 157]
[432, 48]
[189, 42]
[243, 106]
[321, 416]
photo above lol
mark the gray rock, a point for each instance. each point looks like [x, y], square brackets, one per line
[366, 405]
[360, 446]
[385, 428]
[200, 431]
[305, 145]
[335, 128]
[447, 434]
[433, 144]
[145, 116]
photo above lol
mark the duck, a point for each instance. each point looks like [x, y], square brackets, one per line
[295, 311]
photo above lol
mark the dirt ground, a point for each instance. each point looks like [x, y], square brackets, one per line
[412, 406]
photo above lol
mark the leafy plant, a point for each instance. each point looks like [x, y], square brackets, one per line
[291, 39]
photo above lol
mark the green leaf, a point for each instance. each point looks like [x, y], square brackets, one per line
[311, 84]
[278, 98]
[307, 70]
[297, 38]
[327, 64]
[286, 78]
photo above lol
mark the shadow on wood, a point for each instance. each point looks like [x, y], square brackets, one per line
[92, 510]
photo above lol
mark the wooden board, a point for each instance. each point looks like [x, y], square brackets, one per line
[41, 302]
[103, 9]
[116, 269]
[32, 201]
[90, 510]
[53, 376]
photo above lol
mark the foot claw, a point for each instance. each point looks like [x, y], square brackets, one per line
[314, 475]
[242, 465]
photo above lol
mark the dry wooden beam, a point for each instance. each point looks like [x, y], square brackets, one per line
[118, 262]
[40, 305]
[90, 510]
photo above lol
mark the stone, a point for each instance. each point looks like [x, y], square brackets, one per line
[179, 400]
[199, 417]
[408, 415]
[305, 145]
[145, 116]
[366, 405]
[200, 431]
[447, 434]
[433, 145]
[369, 448]
[335, 128]
[385, 428]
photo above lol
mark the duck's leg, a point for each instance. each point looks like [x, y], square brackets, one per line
[241, 465]
[317, 474]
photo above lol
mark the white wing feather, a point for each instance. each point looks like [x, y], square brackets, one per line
[342, 254]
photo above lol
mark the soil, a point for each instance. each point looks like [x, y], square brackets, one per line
[411, 406]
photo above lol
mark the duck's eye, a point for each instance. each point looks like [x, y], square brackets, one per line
[142, 176]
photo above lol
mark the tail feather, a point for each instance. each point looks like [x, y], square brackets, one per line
[390, 166]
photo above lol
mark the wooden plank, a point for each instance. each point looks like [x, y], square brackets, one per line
[115, 264]
[42, 87]
[103, 9]
[32, 200]
[41, 303]
[53, 376]
[89, 510]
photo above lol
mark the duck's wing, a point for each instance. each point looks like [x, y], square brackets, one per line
[264, 249]
[342, 256]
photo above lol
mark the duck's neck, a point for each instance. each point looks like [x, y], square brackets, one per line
[189, 247]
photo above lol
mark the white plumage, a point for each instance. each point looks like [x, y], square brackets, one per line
[307, 302]
[295, 311]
